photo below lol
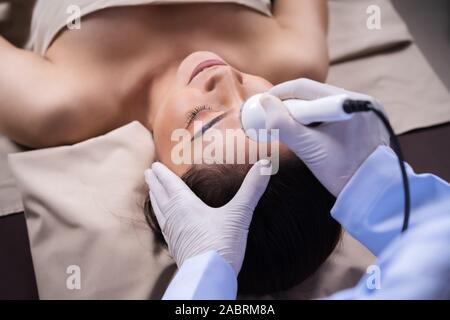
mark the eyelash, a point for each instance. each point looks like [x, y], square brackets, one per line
[194, 112]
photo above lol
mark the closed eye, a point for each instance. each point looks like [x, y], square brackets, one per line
[209, 125]
[192, 115]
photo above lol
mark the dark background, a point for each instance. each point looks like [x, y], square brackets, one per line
[427, 150]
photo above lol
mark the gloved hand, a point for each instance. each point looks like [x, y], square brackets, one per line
[190, 227]
[332, 151]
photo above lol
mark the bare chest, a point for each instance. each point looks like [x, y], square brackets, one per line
[118, 36]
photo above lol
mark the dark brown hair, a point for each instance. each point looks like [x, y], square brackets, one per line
[292, 231]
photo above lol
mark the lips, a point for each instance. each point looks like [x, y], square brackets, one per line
[204, 65]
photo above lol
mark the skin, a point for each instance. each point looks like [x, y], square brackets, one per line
[133, 63]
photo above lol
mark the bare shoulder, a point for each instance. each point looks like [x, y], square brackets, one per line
[47, 103]
[33, 90]
[297, 46]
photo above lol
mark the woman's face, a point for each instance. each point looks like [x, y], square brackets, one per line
[203, 87]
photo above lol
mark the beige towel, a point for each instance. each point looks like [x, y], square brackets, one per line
[385, 64]
[10, 201]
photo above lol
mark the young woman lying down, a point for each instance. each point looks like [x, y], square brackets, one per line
[135, 60]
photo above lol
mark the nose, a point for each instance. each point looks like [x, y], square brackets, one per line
[226, 84]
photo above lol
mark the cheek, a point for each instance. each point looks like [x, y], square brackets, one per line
[172, 111]
[256, 84]
[171, 116]
[162, 135]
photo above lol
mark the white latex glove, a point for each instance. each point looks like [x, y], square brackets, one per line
[332, 151]
[190, 227]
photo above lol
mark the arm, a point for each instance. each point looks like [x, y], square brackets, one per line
[291, 14]
[204, 277]
[44, 104]
[207, 243]
[305, 26]
[415, 265]
[370, 207]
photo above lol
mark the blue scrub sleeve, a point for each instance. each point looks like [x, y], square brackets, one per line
[204, 277]
[371, 205]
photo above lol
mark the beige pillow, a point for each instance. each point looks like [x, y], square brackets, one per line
[83, 206]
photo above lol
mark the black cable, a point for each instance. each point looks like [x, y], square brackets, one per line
[352, 106]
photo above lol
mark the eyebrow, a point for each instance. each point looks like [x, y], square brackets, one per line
[209, 125]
